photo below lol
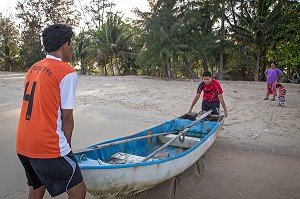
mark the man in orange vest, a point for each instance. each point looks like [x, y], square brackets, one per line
[46, 123]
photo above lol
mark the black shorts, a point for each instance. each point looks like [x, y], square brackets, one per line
[215, 106]
[57, 174]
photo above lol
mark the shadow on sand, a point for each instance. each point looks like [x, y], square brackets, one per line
[181, 186]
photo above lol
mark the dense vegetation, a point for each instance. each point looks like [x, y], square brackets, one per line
[175, 39]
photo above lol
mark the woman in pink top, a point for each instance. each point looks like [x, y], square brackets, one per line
[272, 78]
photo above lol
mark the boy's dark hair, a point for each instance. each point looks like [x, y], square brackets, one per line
[278, 85]
[206, 74]
[54, 36]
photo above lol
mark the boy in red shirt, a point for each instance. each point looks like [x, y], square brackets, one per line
[212, 95]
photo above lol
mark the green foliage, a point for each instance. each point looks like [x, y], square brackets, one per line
[176, 35]
[35, 15]
[176, 38]
[111, 45]
[83, 56]
[9, 55]
[286, 42]
[96, 10]
[257, 25]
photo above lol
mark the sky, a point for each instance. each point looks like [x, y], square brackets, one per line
[125, 6]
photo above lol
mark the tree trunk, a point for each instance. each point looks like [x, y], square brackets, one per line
[243, 73]
[205, 64]
[103, 67]
[164, 70]
[112, 67]
[117, 65]
[168, 70]
[257, 65]
[82, 70]
[221, 66]
[188, 69]
[103, 70]
[262, 64]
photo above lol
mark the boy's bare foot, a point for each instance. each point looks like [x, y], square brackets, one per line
[273, 99]
[266, 98]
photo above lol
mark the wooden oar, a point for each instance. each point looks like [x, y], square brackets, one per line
[120, 142]
[179, 134]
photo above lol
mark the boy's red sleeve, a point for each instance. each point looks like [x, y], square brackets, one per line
[218, 85]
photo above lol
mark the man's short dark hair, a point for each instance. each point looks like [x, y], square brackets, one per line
[206, 74]
[54, 36]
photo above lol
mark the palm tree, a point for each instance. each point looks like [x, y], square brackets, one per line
[9, 56]
[112, 43]
[256, 25]
[82, 52]
[9, 40]
[160, 37]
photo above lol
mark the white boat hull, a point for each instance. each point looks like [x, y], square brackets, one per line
[113, 183]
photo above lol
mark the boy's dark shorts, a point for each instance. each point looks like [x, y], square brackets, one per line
[57, 174]
[215, 106]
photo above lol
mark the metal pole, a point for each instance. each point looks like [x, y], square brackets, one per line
[180, 133]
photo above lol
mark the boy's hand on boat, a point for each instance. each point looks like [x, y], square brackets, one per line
[200, 113]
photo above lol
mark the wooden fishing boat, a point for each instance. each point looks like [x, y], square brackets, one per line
[132, 164]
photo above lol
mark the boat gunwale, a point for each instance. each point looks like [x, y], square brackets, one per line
[158, 161]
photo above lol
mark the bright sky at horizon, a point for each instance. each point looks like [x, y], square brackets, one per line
[8, 6]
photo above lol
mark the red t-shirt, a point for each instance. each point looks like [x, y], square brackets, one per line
[210, 91]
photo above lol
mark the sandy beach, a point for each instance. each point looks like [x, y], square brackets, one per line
[257, 154]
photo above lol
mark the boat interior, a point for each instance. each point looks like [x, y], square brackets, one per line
[162, 141]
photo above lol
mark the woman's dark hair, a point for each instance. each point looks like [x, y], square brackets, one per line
[206, 74]
[273, 62]
[54, 36]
